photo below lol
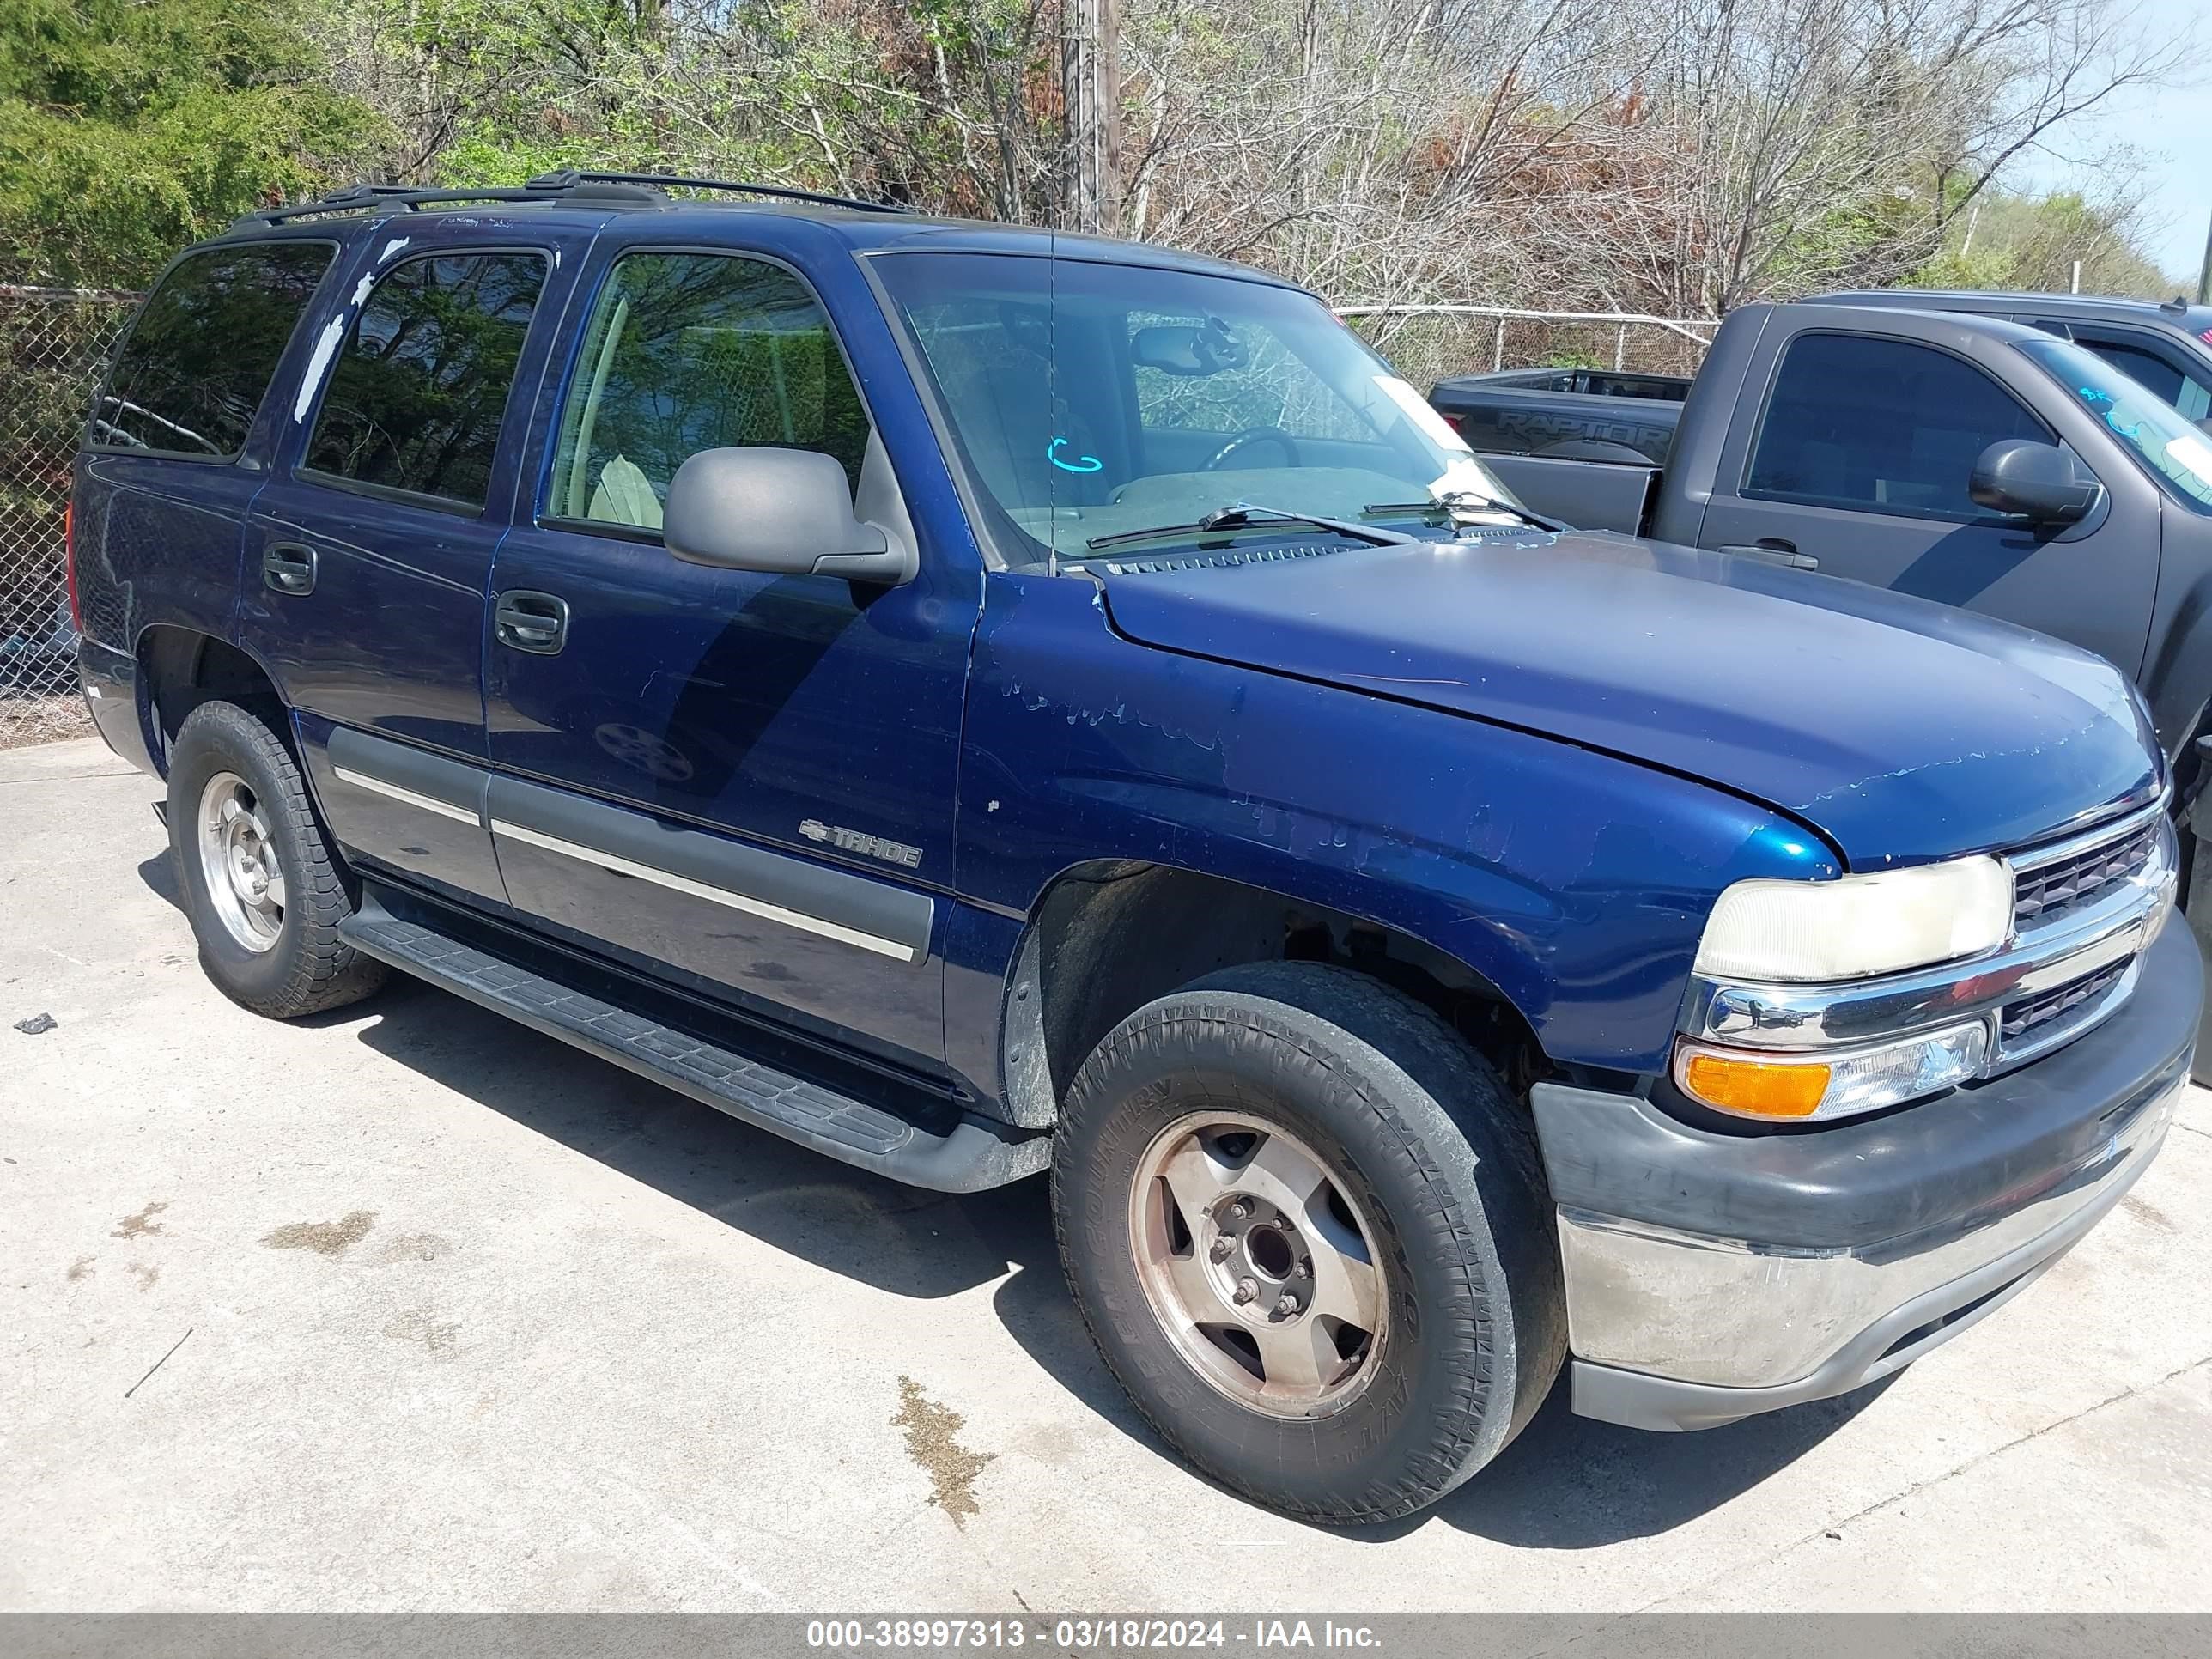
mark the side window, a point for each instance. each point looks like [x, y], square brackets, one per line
[693, 351]
[2147, 370]
[1195, 373]
[414, 399]
[1882, 426]
[199, 357]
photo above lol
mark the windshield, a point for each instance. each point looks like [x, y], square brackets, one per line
[1093, 400]
[2174, 447]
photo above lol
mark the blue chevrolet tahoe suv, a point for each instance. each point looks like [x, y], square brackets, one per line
[977, 700]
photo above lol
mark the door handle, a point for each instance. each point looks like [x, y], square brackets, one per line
[531, 622]
[1775, 551]
[288, 568]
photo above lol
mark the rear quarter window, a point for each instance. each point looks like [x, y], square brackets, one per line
[200, 355]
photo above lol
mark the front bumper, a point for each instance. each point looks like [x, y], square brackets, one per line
[1712, 1276]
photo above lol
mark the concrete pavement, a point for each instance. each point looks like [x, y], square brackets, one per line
[456, 1319]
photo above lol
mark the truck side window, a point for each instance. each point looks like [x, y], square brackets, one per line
[200, 357]
[2185, 392]
[693, 351]
[1881, 426]
[416, 397]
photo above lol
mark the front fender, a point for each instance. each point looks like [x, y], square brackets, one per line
[1576, 883]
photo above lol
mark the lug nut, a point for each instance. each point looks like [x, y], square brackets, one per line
[1285, 1306]
[1220, 1250]
[1246, 1290]
[1241, 1209]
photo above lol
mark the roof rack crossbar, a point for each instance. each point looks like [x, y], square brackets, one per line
[570, 178]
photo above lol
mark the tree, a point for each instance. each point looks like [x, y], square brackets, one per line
[1781, 146]
[127, 130]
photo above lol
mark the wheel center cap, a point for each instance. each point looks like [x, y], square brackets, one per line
[1260, 1262]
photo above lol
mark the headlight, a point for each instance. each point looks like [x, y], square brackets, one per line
[1858, 926]
[1810, 1086]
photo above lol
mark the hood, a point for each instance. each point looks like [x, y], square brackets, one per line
[1901, 729]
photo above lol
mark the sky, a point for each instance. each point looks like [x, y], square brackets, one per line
[2172, 128]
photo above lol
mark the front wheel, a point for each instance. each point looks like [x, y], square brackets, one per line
[262, 886]
[1308, 1231]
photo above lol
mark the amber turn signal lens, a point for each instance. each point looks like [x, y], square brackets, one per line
[1756, 1088]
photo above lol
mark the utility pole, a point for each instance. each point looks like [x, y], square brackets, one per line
[1091, 72]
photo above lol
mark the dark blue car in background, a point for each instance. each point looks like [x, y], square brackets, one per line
[977, 700]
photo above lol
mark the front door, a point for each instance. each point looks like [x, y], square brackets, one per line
[742, 782]
[1858, 464]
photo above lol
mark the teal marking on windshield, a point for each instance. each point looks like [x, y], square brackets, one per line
[1081, 463]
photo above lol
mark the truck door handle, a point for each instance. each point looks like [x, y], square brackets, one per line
[288, 568]
[531, 622]
[1775, 551]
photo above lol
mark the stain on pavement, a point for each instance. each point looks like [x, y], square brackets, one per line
[440, 1336]
[952, 1468]
[139, 1226]
[330, 1238]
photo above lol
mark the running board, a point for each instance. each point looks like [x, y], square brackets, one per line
[972, 1156]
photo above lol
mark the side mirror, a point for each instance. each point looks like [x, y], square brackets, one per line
[788, 512]
[2040, 482]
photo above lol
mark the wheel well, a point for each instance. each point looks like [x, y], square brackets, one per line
[180, 669]
[1109, 937]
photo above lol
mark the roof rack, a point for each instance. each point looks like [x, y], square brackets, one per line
[411, 198]
[567, 185]
[570, 179]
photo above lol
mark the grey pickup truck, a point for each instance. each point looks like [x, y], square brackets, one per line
[1974, 460]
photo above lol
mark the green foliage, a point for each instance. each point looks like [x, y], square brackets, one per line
[2032, 242]
[128, 130]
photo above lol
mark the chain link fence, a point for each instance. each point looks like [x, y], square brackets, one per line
[1431, 342]
[53, 342]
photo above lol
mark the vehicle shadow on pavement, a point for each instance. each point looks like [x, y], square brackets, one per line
[1567, 1483]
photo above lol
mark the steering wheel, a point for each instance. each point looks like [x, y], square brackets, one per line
[1254, 435]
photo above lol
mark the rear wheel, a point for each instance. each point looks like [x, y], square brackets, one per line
[1308, 1229]
[264, 889]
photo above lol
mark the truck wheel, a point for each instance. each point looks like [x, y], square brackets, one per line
[1310, 1233]
[263, 890]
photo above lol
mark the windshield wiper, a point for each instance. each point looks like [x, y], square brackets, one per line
[1250, 515]
[1465, 500]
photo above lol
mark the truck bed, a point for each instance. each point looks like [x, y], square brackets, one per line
[1578, 414]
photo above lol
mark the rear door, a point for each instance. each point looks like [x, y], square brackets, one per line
[369, 553]
[1857, 461]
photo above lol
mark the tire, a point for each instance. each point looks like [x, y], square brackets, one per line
[1420, 1148]
[284, 963]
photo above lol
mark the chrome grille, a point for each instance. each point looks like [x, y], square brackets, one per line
[2033, 1020]
[2046, 892]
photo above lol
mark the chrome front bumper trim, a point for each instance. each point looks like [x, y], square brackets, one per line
[1711, 1312]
